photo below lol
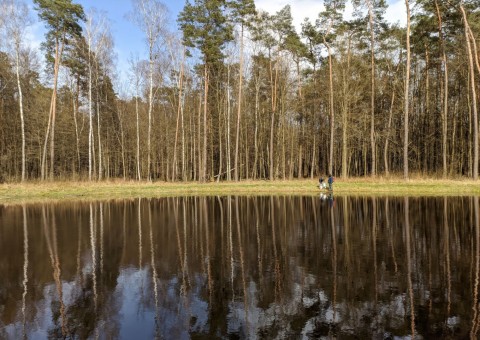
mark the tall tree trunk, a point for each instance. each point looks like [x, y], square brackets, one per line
[312, 164]
[139, 175]
[302, 128]
[407, 95]
[58, 57]
[474, 94]
[20, 104]
[51, 116]
[346, 107]
[332, 113]
[256, 122]
[179, 109]
[372, 94]
[239, 108]
[445, 91]
[90, 114]
[199, 139]
[100, 166]
[75, 120]
[228, 148]
[122, 145]
[389, 129]
[273, 86]
[150, 109]
[205, 110]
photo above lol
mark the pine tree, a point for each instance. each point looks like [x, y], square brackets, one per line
[62, 19]
[206, 28]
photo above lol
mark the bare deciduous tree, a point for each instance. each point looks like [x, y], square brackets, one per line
[18, 20]
[151, 17]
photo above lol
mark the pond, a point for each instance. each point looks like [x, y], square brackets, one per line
[241, 267]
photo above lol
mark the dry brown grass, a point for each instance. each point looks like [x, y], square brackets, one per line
[394, 186]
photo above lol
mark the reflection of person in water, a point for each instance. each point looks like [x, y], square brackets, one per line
[331, 201]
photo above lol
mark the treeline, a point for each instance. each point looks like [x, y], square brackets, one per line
[240, 94]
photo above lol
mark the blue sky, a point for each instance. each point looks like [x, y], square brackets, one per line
[129, 40]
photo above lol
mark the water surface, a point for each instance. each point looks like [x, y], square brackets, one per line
[241, 267]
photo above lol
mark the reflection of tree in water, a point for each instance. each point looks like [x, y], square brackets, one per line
[93, 302]
[243, 267]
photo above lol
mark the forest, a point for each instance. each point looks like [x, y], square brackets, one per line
[230, 92]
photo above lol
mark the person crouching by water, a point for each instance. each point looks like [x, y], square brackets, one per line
[330, 182]
[321, 183]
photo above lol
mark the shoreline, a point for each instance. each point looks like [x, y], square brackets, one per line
[31, 192]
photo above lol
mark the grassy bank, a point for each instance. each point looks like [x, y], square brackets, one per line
[48, 191]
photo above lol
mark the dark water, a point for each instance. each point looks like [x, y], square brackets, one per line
[241, 267]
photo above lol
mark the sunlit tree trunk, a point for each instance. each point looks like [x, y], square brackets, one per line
[20, 104]
[332, 109]
[372, 84]
[471, 71]
[273, 87]
[51, 116]
[205, 111]
[445, 91]
[139, 174]
[75, 94]
[406, 96]
[346, 108]
[179, 113]
[90, 114]
[100, 165]
[239, 108]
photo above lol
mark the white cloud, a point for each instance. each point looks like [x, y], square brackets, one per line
[397, 12]
[301, 9]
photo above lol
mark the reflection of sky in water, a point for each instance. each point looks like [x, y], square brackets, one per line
[133, 322]
[174, 313]
[43, 317]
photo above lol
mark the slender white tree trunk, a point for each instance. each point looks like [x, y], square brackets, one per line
[229, 165]
[239, 108]
[90, 114]
[100, 165]
[139, 176]
[179, 113]
[20, 104]
[77, 137]
[150, 108]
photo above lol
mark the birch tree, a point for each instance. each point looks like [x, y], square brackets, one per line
[136, 77]
[18, 20]
[151, 16]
